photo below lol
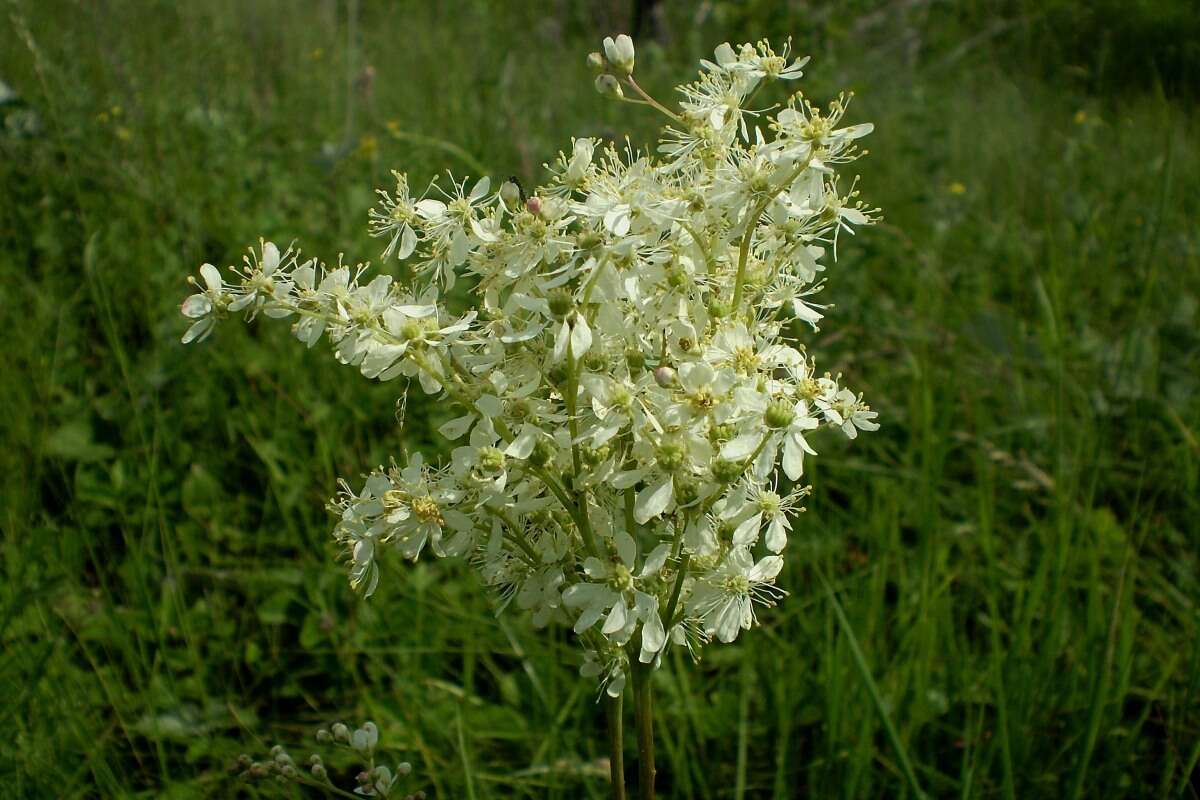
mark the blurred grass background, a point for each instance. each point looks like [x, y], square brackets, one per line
[1016, 549]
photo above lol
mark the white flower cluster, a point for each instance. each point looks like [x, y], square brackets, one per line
[628, 386]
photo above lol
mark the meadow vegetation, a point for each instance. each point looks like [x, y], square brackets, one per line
[1015, 549]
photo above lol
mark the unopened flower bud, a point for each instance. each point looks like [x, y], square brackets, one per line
[670, 456]
[779, 414]
[324, 736]
[607, 86]
[595, 455]
[664, 376]
[404, 769]
[318, 771]
[619, 53]
[510, 193]
[561, 302]
[724, 471]
[534, 205]
[543, 453]
[718, 309]
[677, 276]
[686, 491]
[340, 732]
[595, 63]
[596, 360]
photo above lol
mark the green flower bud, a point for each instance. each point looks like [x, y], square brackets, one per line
[595, 455]
[596, 360]
[677, 276]
[724, 471]
[607, 86]
[718, 309]
[543, 452]
[779, 414]
[561, 303]
[622, 397]
[686, 491]
[595, 63]
[588, 240]
[670, 456]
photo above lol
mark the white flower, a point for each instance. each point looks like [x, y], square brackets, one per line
[203, 305]
[725, 599]
[396, 219]
[778, 423]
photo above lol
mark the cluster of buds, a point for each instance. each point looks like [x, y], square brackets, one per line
[634, 402]
[372, 780]
[613, 66]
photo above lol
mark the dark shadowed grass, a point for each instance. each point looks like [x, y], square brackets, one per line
[1015, 551]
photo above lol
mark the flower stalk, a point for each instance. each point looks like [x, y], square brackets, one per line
[616, 747]
[644, 721]
[629, 390]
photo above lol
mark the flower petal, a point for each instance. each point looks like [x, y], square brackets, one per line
[653, 500]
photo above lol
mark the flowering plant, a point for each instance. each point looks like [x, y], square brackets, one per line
[629, 387]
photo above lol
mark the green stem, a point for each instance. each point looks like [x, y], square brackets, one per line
[676, 589]
[643, 714]
[572, 397]
[578, 515]
[616, 747]
[651, 101]
[752, 223]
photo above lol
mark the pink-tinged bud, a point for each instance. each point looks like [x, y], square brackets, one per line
[534, 205]
[664, 376]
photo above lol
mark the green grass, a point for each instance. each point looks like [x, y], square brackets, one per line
[1014, 556]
